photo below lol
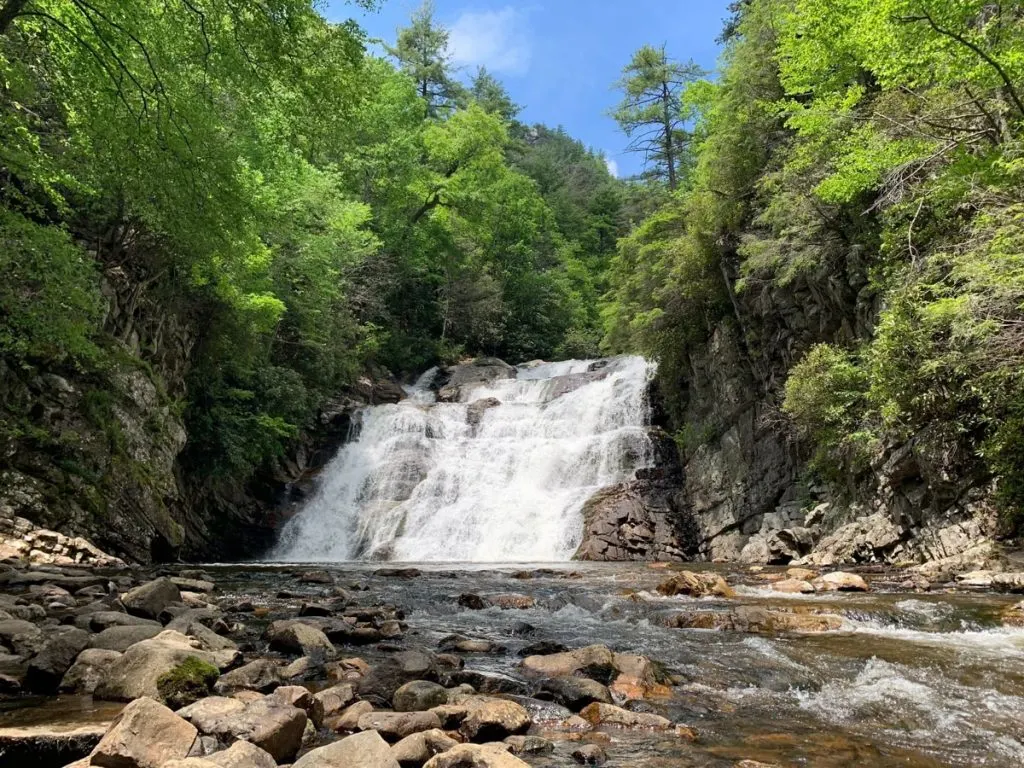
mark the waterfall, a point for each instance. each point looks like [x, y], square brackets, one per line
[500, 475]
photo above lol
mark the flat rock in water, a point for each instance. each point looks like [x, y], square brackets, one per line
[48, 744]
[610, 715]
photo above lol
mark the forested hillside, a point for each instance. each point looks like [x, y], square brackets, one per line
[217, 215]
[835, 288]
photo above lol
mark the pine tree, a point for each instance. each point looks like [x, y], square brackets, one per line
[422, 52]
[653, 113]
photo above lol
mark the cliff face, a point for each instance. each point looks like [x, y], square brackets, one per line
[96, 457]
[747, 480]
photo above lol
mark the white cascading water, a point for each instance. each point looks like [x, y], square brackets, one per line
[421, 482]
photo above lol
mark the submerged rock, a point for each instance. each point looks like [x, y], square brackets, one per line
[610, 715]
[757, 620]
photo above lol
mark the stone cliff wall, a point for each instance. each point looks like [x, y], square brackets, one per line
[95, 457]
[746, 477]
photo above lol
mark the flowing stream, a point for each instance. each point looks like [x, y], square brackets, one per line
[499, 476]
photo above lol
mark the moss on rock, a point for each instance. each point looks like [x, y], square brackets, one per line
[188, 682]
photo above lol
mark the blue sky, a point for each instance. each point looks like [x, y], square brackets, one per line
[560, 58]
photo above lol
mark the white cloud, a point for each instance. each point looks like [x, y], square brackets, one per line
[613, 167]
[493, 39]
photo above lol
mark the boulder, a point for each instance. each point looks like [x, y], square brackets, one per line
[793, 587]
[456, 382]
[529, 745]
[88, 671]
[395, 726]
[47, 668]
[145, 735]
[841, 581]
[640, 678]
[101, 620]
[1008, 582]
[590, 754]
[594, 661]
[138, 670]
[379, 684]
[298, 696]
[758, 620]
[193, 585]
[208, 639]
[23, 638]
[121, 638]
[574, 692]
[150, 599]
[696, 584]
[261, 675]
[476, 756]
[610, 715]
[484, 718]
[335, 699]
[300, 639]
[206, 713]
[363, 750]
[462, 644]
[242, 754]
[413, 751]
[274, 726]
[348, 720]
[512, 601]
[419, 696]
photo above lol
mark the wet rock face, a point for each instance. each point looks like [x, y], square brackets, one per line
[453, 382]
[637, 520]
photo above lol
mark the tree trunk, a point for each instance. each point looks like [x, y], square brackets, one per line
[9, 12]
[670, 152]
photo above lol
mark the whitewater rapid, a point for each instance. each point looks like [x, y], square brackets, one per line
[493, 482]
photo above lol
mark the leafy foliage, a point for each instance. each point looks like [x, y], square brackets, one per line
[856, 167]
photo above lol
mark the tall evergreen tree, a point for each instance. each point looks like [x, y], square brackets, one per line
[653, 113]
[422, 52]
[491, 95]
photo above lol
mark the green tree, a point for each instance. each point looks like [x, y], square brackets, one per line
[653, 112]
[421, 51]
[491, 95]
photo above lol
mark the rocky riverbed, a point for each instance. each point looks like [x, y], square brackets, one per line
[638, 665]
